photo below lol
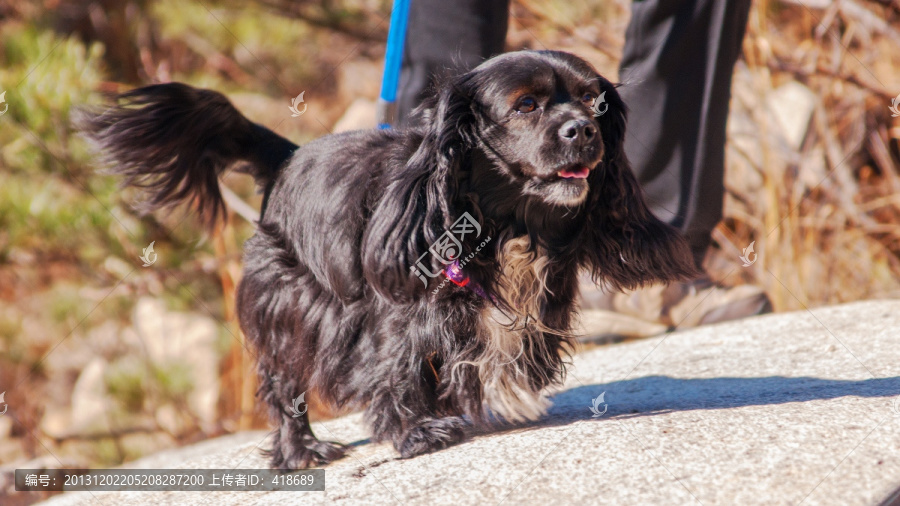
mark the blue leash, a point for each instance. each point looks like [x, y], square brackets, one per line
[387, 101]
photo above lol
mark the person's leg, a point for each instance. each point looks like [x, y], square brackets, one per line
[676, 69]
[676, 72]
[442, 35]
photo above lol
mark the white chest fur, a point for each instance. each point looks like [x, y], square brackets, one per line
[512, 341]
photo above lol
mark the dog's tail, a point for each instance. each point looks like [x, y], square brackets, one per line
[174, 141]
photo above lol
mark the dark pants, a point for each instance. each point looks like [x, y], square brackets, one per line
[676, 68]
[446, 35]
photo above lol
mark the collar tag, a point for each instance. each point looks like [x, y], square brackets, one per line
[455, 274]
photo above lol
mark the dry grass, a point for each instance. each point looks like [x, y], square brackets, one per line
[822, 206]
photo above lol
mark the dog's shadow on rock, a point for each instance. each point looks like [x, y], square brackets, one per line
[652, 395]
[655, 395]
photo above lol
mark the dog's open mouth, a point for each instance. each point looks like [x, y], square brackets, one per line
[564, 185]
[576, 172]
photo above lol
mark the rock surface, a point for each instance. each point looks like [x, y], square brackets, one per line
[781, 409]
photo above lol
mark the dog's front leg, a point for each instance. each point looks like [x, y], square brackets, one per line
[406, 408]
[430, 434]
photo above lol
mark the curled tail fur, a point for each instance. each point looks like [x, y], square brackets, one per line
[174, 141]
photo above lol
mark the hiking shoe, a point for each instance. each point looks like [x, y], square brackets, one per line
[677, 305]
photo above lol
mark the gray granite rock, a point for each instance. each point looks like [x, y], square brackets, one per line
[781, 409]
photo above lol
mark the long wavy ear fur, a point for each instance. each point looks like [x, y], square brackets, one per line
[418, 202]
[626, 245]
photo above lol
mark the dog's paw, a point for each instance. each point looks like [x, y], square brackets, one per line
[430, 435]
[310, 452]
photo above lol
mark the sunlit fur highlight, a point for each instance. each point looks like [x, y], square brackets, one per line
[511, 341]
[328, 302]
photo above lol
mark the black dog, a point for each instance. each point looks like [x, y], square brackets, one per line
[513, 186]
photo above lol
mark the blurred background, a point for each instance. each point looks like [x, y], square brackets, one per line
[104, 360]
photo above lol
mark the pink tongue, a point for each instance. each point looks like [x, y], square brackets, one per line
[580, 173]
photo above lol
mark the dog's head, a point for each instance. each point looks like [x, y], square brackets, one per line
[529, 132]
[536, 123]
[544, 118]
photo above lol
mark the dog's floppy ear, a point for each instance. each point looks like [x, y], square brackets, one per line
[417, 205]
[626, 245]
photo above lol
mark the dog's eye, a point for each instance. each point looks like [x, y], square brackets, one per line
[526, 104]
[588, 99]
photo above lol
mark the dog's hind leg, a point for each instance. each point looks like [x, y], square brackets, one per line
[271, 317]
[294, 444]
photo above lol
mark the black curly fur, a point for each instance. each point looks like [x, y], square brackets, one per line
[328, 298]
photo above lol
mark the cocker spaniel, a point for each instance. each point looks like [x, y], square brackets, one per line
[429, 274]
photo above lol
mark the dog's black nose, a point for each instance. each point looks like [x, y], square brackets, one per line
[577, 130]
